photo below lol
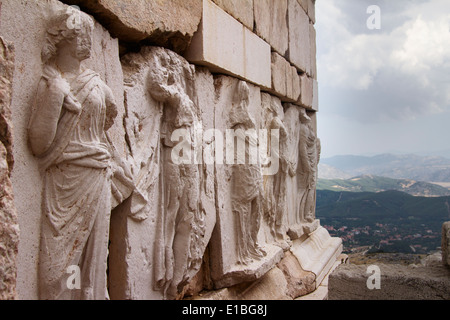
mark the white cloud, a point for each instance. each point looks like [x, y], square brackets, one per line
[426, 45]
[399, 72]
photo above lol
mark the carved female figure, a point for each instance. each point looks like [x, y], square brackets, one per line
[180, 223]
[309, 158]
[247, 182]
[67, 132]
[275, 185]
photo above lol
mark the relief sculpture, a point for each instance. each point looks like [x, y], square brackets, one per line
[309, 155]
[67, 132]
[275, 206]
[247, 181]
[180, 222]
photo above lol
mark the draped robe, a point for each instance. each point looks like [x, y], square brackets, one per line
[76, 202]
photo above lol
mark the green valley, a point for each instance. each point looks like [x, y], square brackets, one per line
[371, 183]
[388, 221]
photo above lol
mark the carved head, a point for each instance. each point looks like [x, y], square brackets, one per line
[69, 28]
[239, 113]
[171, 81]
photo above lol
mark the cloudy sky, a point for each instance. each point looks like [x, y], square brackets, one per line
[385, 90]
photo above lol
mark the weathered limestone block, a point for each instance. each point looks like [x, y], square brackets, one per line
[225, 45]
[307, 92]
[165, 23]
[168, 221]
[299, 53]
[312, 10]
[9, 228]
[293, 85]
[271, 286]
[26, 24]
[313, 46]
[279, 74]
[317, 253]
[239, 251]
[242, 10]
[286, 281]
[304, 4]
[315, 101]
[299, 281]
[397, 282]
[285, 79]
[271, 23]
[446, 243]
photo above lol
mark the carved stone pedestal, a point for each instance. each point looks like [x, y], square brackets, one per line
[232, 274]
[317, 253]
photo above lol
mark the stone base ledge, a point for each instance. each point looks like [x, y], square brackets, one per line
[289, 280]
[250, 272]
[317, 253]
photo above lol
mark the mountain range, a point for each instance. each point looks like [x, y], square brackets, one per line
[413, 167]
[370, 183]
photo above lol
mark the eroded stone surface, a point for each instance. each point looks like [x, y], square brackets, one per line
[285, 79]
[161, 100]
[239, 52]
[180, 223]
[271, 23]
[280, 68]
[299, 53]
[72, 112]
[300, 282]
[9, 234]
[165, 23]
[242, 10]
[27, 23]
[239, 251]
[307, 91]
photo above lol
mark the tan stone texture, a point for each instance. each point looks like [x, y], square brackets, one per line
[224, 45]
[307, 91]
[271, 23]
[299, 53]
[300, 282]
[242, 10]
[9, 228]
[165, 23]
[285, 79]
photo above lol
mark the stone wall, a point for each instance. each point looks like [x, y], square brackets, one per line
[9, 228]
[130, 178]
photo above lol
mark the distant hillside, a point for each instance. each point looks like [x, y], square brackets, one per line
[419, 168]
[370, 183]
[390, 221]
[329, 172]
[383, 205]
